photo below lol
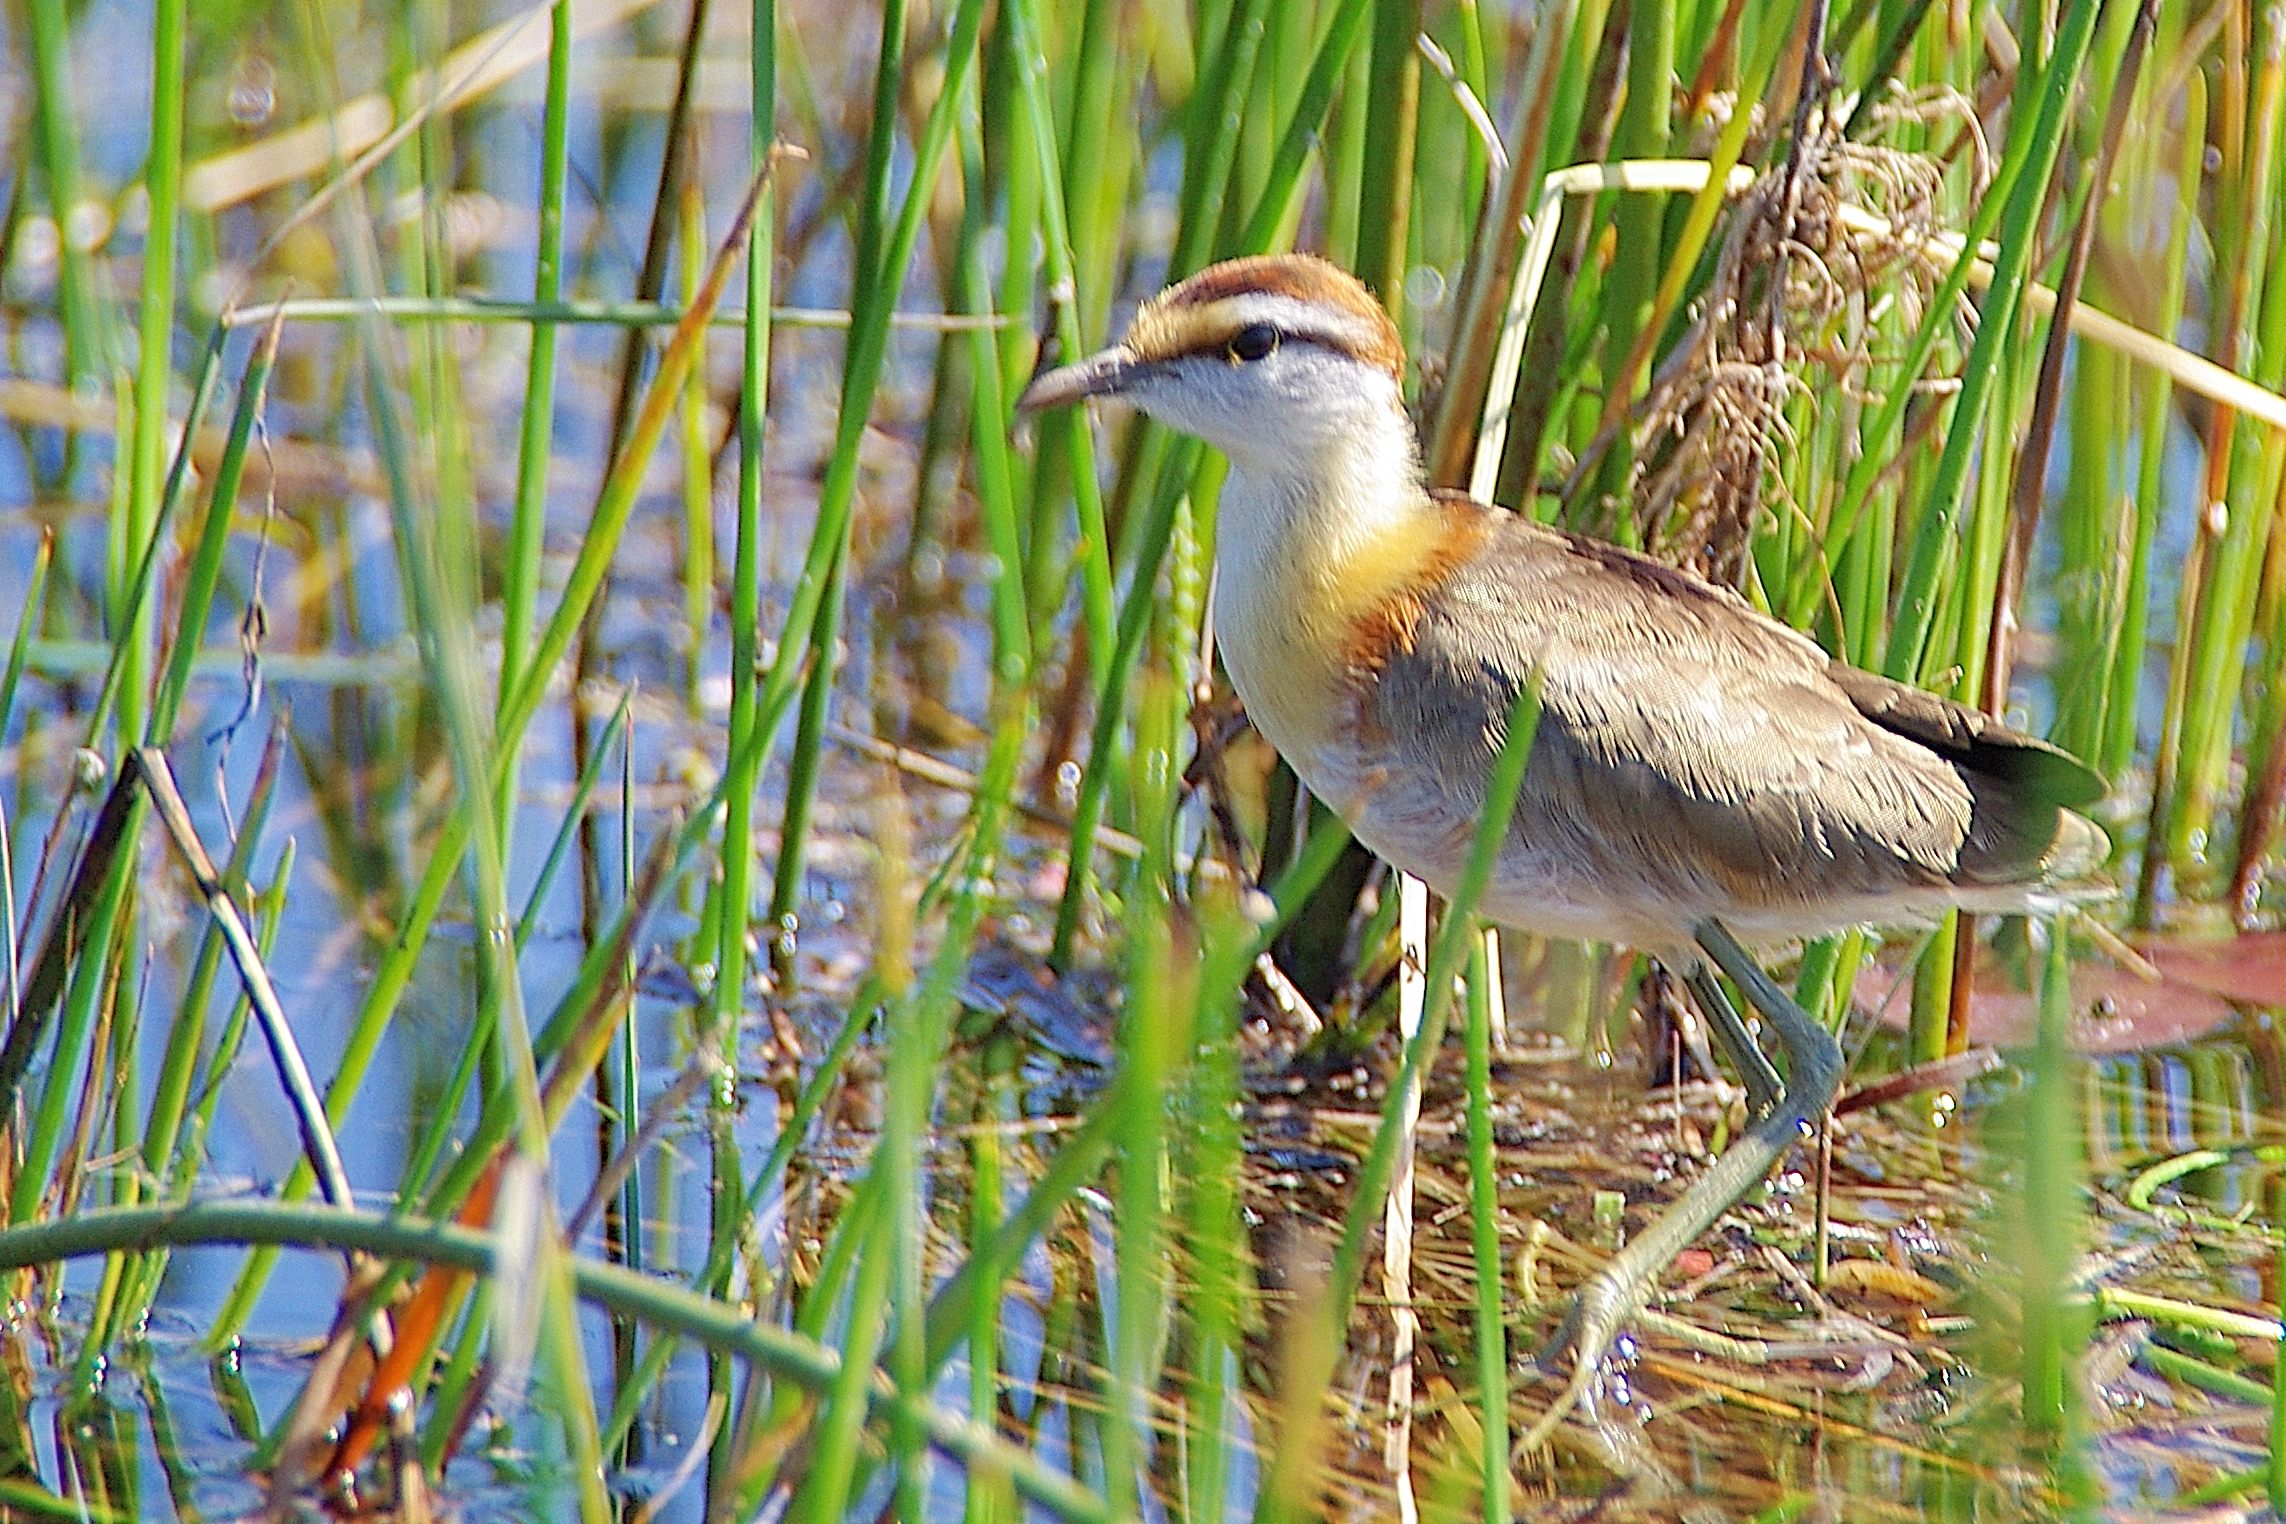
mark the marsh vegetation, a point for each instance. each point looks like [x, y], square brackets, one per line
[597, 840]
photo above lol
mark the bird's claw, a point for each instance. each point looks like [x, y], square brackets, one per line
[1599, 1309]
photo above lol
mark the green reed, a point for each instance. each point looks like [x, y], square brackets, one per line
[520, 577]
[86, 321]
[1007, 148]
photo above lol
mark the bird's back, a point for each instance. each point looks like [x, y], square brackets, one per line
[1693, 757]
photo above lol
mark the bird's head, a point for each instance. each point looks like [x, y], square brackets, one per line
[1265, 358]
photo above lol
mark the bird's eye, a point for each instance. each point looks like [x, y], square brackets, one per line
[1253, 341]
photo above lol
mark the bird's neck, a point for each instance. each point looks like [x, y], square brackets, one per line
[1312, 503]
[1314, 534]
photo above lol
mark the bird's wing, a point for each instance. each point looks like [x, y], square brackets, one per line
[1970, 738]
[1679, 727]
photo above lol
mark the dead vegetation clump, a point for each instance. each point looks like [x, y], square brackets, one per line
[1796, 289]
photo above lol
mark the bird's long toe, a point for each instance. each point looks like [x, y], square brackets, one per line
[1599, 1310]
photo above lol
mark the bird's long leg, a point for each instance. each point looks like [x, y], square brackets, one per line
[1814, 1065]
[1753, 1065]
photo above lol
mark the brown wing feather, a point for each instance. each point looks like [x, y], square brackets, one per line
[1970, 738]
[1682, 731]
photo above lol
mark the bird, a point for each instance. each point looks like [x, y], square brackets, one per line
[1702, 778]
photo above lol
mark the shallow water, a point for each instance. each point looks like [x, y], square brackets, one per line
[1893, 1396]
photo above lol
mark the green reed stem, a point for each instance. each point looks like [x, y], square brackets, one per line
[119, 666]
[745, 742]
[889, 1277]
[1064, 437]
[1154, 1028]
[1090, 130]
[2051, 1196]
[2035, 154]
[163, 184]
[1385, 191]
[1343, 173]
[1212, 144]
[802, 767]
[86, 319]
[19, 649]
[395, 969]
[1027, 174]
[989, 1498]
[989, 461]
[698, 464]
[1111, 701]
[1679, 263]
[575, 810]
[1484, 1222]
[1631, 288]
[2204, 1376]
[1282, 182]
[718, 1325]
[520, 578]
[617, 501]
[1214, 1230]
[2243, 474]
[84, 988]
[417, 1175]
[877, 277]
[204, 572]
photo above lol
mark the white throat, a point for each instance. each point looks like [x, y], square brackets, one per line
[1303, 504]
[1312, 525]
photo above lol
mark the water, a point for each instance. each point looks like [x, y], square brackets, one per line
[1893, 1384]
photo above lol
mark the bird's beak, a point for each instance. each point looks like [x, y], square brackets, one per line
[1102, 374]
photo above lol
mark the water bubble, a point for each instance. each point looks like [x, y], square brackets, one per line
[1425, 287]
[37, 245]
[89, 226]
[253, 96]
